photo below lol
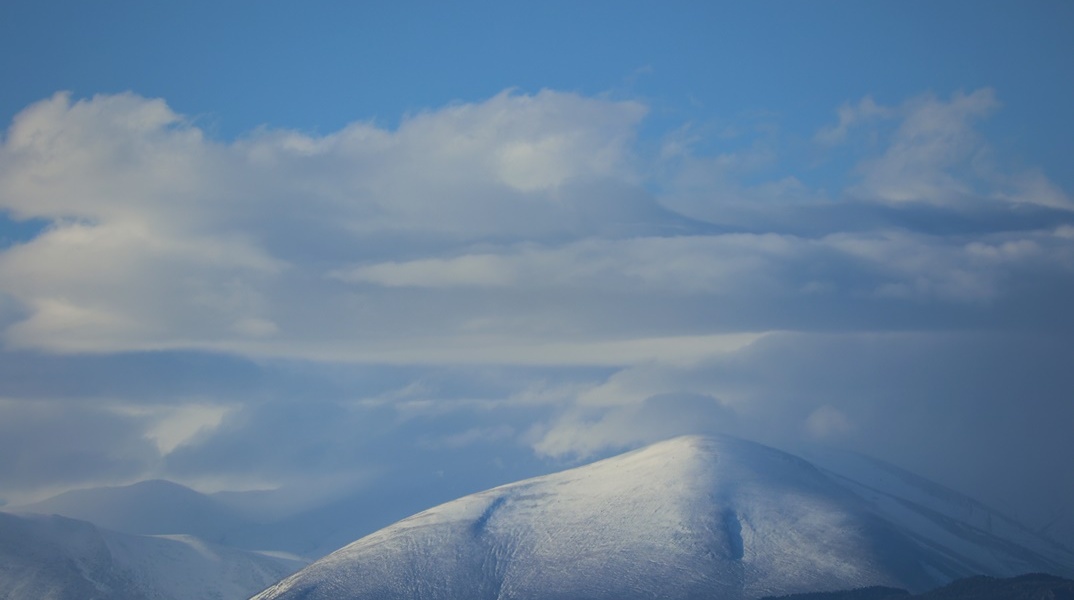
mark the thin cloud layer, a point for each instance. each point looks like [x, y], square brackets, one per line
[526, 276]
[160, 238]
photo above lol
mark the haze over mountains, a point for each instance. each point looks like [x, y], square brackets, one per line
[247, 520]
[147, 507]
[689, 517]
[57, 558]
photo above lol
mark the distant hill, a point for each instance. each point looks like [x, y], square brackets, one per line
[56, 558]
[145, 508]
[1035, 586]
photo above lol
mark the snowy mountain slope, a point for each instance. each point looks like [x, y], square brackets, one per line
[56, 558]
[925, 506]
[688, 518]
[1057, 524]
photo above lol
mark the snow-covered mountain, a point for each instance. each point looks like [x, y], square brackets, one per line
[57, 558]
[693, 517]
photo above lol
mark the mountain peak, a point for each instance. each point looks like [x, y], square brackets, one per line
[689, 517]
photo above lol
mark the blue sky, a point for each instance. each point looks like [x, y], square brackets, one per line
[332, 247]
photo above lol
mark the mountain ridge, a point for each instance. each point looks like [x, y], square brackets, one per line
[684, 518]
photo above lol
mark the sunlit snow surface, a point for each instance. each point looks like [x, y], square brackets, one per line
[693, 517]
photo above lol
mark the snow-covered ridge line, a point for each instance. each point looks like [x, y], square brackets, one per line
[689, 517]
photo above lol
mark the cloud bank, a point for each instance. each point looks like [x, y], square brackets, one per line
[529, 278]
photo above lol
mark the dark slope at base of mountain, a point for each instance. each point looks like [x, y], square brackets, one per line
[1035, 586]
[867, 593]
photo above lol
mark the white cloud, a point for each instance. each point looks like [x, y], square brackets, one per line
[741, 265]
[172, 426]
[851, 116]
[936, 156]
[581, 433]
[161, 238]
[1034, 187]
[677, 264]
[518, 229]
[119, 285]
[933, 138]
[470, 270]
